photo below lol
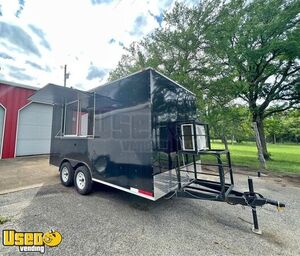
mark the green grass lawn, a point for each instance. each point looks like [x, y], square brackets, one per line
[285, 157]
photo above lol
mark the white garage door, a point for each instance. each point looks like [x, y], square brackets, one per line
[34, 130]
[2, 113]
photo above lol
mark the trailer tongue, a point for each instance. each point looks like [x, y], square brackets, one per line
[219, 189]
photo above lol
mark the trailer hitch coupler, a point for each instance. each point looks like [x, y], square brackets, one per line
[280, 206]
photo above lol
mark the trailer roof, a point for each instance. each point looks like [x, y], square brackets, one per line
[56, 94]
[140, 71]
[173, 81]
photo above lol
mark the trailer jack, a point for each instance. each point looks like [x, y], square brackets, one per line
[253, 199]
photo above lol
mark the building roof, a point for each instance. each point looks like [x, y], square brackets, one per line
[19, 85]
[52, 94]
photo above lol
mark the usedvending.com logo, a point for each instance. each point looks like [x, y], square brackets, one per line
[31, 241]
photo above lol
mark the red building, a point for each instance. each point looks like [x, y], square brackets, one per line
[25, 127]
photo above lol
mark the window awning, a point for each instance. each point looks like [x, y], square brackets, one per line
[55, 94]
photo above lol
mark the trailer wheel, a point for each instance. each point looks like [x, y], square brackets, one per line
[83, 180]
[66, 174]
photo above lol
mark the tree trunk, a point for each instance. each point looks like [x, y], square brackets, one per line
[260, 126]
[224, 140]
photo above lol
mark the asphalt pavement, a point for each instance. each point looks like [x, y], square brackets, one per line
[26, 172]
[112, 222]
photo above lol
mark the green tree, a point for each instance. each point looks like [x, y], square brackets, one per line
[274, 127]
[257, 45]
[227, 50]
[291, 122]
[230, 122]
[284, 126]
[173, 49]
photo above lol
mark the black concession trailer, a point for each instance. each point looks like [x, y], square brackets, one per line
[140, 134]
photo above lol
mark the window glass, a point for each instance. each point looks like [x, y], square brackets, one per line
[71, 118]
[86, 121]
[201, 137]
[187, 137]
[79, 117]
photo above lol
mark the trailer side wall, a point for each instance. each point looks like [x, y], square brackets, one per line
[171, 103]
[120, 150]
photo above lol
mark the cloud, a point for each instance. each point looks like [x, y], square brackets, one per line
[13, 68]
[47, 69]
[80, 86]
[43, 26]
[166, 3]
[95, 2]
[20, 9]
[95, 72]
[20, 75]
[159, 18]
[34, 65]
[139, 23]
[111, 41]
[4, 55]
[114, 41]
[19, 38]
[37, 66]
[40, 33]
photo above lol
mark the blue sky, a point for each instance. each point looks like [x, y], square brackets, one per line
[38, 37]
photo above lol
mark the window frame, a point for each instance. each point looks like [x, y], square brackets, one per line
[78, 111]
[65, 118]
[200, 136]
[183, 137]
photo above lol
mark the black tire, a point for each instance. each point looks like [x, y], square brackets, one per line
[83, 183]
[66, 173]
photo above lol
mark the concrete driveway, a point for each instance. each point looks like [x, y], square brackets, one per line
[112, 222]
[26, 172]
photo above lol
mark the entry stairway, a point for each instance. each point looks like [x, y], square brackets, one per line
[210, 172]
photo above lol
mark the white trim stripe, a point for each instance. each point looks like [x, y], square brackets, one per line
[131, 190]
[134, 190]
